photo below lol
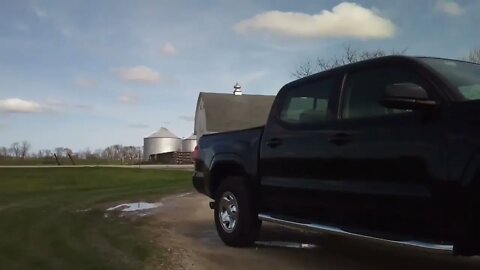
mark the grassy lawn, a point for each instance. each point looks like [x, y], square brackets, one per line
[52, 161]
[41, 227]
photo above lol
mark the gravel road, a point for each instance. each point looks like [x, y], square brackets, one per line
[185, 226]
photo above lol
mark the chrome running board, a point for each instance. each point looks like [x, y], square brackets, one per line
[338, 231]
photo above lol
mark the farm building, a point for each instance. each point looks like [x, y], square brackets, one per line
[159, 142]
[219, 112]
[188, 144]
[163, 146]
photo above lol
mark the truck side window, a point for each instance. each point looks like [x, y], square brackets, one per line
[309, 103]
[364, 89]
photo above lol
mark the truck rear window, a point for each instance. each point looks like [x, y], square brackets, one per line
[308, 103]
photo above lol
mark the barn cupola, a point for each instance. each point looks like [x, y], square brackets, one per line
[237, 89]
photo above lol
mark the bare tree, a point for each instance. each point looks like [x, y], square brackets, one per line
[97, 153]
[127, 154]
[348, 56]
[83, 154]
[15, 149]
[474, 56]
[93, 155]
[62, 151]
[139, 152]
[117, 152]
[42, 153]
[305, 70]
[24, 148]
[67, 151]
[107, 153]
[3, 152]
[59, 151]
[130, 154]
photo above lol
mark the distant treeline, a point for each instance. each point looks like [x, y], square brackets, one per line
[20, 153]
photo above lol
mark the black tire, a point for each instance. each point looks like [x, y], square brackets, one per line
[246, 227]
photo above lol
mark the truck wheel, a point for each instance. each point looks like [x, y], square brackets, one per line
[236, 213]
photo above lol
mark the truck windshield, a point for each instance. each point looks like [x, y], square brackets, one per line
[463, 75]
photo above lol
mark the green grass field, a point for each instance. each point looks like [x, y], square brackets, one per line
[52, 161]
[41, 227]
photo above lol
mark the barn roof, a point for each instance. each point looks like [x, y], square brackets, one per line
[227, 112]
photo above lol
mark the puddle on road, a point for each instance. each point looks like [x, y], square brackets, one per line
[133, 207]
[183, 195]
[284, 244]
[141, 207]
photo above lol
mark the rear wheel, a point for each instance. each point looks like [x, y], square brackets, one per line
[236, 213]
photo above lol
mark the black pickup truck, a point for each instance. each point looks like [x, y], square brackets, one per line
[385, 149]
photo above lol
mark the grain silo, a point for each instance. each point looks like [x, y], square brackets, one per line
[160, 142]
[188, 144]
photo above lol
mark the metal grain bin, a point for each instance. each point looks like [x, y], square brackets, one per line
[161, 141]
[188, 144]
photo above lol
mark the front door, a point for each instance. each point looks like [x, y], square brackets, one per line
[392, 156]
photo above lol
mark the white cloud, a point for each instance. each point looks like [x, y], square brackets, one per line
[169, 49]
[129, 98]
[86, 83]
[16, 105]
[346, 20]
[124, 99]
[40, 12]
[83, 107]
[187, 118]
[141, 74]
[450, 8]
[65, 31]
[20, 26]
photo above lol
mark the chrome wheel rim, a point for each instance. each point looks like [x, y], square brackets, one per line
[228, 212]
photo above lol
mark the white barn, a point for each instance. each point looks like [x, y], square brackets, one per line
[218, 112]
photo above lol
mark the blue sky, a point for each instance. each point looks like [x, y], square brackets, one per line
[94, 73]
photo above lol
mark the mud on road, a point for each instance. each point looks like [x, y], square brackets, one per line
[184, 225]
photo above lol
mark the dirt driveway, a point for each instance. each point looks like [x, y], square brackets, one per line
[185, 226]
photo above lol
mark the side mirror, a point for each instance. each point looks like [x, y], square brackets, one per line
[406, 96]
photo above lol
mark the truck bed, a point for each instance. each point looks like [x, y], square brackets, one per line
[239, 148]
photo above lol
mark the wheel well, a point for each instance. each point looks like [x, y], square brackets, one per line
[221, 171]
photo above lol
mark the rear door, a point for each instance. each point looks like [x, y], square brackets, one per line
[295, 150]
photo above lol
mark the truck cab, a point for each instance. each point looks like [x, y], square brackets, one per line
[383, 149]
